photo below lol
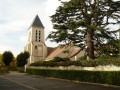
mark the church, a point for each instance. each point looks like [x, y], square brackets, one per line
[39, 51]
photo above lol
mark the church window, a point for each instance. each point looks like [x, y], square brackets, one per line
[36, 35]
[39, 35]
[35, 47]
[36, 38]
[39, 32]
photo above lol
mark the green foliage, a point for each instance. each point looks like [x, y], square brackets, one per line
[7, 57]
[104, 77]
[44, 63]
[2, 68]
[0, 57]
[57, 61]
[26, 55]
[13, 66]
[22, 59]
[103, 60]
[84, 21]
[111, 48]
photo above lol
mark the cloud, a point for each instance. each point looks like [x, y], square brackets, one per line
[12, 27]
[15, 18]
[23, 39]
[51, 6]
[5, 48]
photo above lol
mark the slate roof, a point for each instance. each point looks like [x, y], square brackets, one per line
[37, 22]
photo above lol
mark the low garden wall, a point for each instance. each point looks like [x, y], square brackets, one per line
[97, 68]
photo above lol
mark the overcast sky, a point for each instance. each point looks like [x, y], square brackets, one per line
[15, 18]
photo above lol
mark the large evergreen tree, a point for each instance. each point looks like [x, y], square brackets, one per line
[86, 23]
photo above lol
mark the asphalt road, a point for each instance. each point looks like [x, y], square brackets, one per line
[21, 81]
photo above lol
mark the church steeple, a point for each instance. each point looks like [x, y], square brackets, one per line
[36, 43]
[37, 22]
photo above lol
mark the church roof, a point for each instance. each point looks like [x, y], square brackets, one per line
[37, 22]
[55, 53]
[59, 52]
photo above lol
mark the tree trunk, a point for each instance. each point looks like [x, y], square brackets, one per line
[90, 45]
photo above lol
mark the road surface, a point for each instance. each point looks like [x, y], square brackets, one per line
[22, 81]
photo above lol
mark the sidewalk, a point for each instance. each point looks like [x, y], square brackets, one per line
[16, 73]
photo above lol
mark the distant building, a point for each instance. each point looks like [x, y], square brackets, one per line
[39, 51]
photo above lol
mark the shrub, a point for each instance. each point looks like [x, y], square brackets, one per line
[43, 63]
[104, 60]
[80, 62]
[58, 59]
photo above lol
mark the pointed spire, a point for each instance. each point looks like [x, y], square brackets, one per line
[37, 22]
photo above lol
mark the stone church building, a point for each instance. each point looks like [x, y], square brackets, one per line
[39, 51]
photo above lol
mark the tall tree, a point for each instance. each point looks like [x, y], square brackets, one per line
[86, 23]
[7, 58]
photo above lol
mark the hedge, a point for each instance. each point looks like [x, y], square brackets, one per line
[103, 77]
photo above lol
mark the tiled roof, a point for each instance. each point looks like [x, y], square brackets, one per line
[37, 22]
[50, 50]
[55, 53]
[59, 52]
[74, 52]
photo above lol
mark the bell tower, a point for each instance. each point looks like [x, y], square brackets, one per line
[36, 43]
